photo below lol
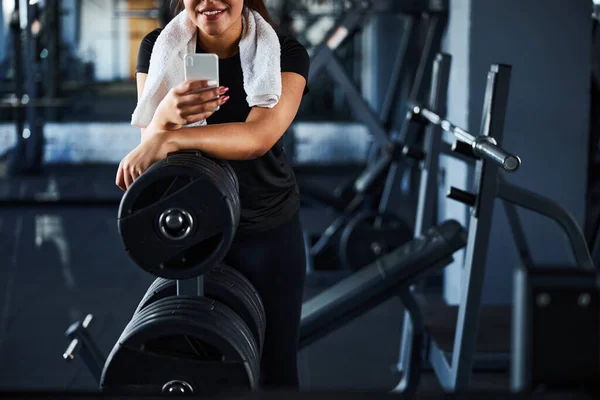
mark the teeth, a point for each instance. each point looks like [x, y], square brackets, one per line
[211, 12]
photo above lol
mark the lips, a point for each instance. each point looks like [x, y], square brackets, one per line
[212, 11]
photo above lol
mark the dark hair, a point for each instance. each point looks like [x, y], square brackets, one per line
[256, 5]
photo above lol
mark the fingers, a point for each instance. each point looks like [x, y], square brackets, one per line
[120, 181]
[208, 107]
[202, 97]
[127, 174]
[198, 117]
[187, 87]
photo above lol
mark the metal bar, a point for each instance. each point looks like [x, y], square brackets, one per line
[364, 182]
[26, 157]
[34, 143]
[361, 108]
[191, 287]
[432, 143]
[408, 135]
[406, 347]
[91, 355]
[549, 208]
[520, 371]
[596, 250]
[398, 71]
[391, 182]
[428, 185]
[514, 222]
[52, 76]
[446, 149]
[17, 64]
[494, 112]
[324, 53]
[324, 239]
[441, 367]
[412, 362]
[115, 42]
[433, 38]
[483, 147]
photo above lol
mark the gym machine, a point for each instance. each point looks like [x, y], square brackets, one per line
[539, 291]
[26, 156]
[433, 246]
[425, 24]
[555, 341]
[35, 94]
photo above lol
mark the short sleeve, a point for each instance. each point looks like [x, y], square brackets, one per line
[294, 58]
[145, 51]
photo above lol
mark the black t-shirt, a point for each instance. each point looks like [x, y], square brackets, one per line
[268, 190]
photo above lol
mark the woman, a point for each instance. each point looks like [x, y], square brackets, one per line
[269, 246]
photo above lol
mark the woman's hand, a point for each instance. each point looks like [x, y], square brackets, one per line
[155, 147]
[188, 102]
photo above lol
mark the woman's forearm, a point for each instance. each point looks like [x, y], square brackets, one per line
[231, 141]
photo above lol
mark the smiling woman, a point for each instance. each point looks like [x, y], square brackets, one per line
[263, 78]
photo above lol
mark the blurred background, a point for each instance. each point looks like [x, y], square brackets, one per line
[67, 92]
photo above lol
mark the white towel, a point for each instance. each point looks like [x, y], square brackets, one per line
[260, 56]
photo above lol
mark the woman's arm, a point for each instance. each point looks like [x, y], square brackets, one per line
[245, 140]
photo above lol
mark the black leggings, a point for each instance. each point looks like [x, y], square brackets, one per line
[275, 262]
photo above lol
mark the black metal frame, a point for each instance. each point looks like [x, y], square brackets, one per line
[416, 345]
[455, 374]
[528, 278]
[27, 155]
[426, 22]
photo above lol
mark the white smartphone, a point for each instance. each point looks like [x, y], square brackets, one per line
[202, 66]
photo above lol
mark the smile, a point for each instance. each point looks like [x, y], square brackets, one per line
[212, 12]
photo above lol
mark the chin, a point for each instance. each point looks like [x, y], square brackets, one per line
[212, 31]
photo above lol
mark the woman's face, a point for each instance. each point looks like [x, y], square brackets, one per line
[214, 17]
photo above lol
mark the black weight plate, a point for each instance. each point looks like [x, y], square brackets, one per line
[251, 308]
[233, 185]
[241, 280]
[368, 230]
[226, 291]
[181, 343]
[166, 185]
[221, 175]
[230, 324]
[159, 289]
[227, 286]
[197, 319]
[246, 301]
[175, 305]
[185, 302]
[214, 169]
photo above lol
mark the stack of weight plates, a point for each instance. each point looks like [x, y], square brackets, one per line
[177, 221]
